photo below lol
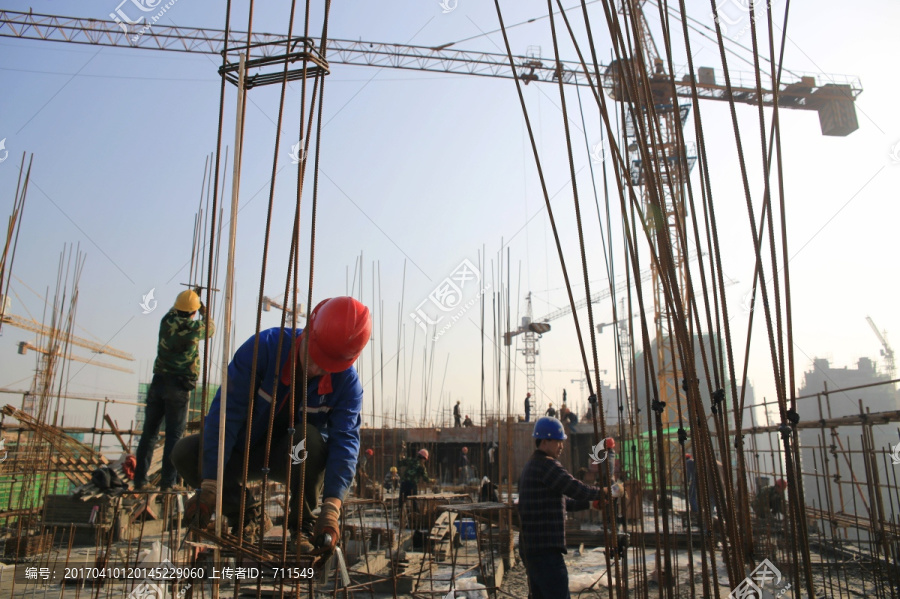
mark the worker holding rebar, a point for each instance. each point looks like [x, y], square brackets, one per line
[337, 331]
[175, 374]
[362, 475]
[546, 492]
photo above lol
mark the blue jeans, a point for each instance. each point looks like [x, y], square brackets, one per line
[167, 398]
[548, 577]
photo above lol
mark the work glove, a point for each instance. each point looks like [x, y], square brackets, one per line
[202, 310]
[599, 504]
[199, 508]
[327, 530]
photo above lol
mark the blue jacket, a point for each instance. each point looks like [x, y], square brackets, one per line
[334, 403]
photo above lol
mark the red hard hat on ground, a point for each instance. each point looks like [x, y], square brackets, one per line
[339, 328]
[423, 453]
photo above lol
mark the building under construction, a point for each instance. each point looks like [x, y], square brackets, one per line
[724, 492]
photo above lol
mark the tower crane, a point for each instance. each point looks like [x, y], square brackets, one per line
[834, 101]
[887, 352]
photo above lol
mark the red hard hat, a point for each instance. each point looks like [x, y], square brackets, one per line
[610, 443]
[370, 452]
[687, 456]
[465, 450]
[781, 484]
[339, 329]
[423, 453]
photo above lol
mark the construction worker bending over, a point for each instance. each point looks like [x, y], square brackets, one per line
[769, 502]
[546, 492]
[336, 333]
[174, 377]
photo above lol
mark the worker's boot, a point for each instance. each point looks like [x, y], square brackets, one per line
[302, 541]
[256, 524]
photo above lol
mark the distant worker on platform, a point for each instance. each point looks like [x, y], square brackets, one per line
[551, 411]
[175, 374]
[392, 479]
[464, 465]
[337, 330]
[528, 407]
[362, 472]
[414, 472]
[457, 415]
[467, 422]
[546, 492]
[769, 502]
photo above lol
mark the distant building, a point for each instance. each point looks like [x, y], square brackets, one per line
[819, 465]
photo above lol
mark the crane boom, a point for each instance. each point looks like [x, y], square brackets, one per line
[834, 100]
[36, 327]
[24, 346]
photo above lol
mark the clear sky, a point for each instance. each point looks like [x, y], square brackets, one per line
[424, 169]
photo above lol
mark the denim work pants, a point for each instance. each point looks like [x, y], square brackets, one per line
[548, 577]
[167, 399]
[188, 455]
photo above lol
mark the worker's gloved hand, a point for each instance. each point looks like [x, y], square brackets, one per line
[199, 508]
[599, 504]
[202, 310]
[327, 530]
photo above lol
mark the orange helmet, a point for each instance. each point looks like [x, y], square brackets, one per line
[370, 452]
[423, 453]
[339, 328]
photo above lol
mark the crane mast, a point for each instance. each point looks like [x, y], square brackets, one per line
[887, 352]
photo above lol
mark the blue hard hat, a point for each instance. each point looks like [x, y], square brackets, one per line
[549, 428]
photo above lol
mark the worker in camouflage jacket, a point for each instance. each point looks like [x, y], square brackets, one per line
[175, 374]
[413, 472]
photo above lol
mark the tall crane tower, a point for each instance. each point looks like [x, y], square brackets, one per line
[887, 352]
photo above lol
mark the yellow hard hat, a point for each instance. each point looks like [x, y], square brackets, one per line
[187, 301]
[393, 469]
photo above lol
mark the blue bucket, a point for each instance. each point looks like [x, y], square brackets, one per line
[466, 529]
